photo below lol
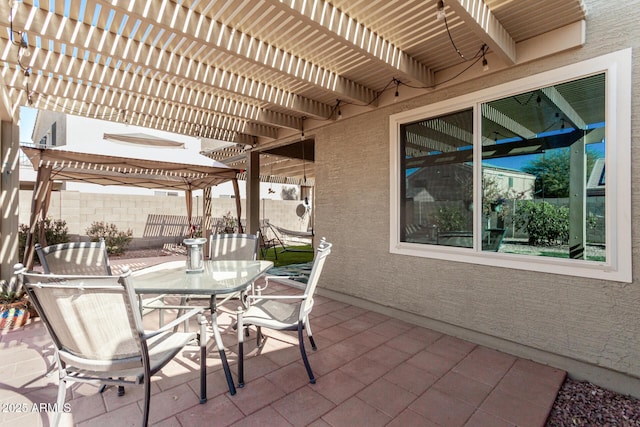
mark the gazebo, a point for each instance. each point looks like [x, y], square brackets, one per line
[157, 166]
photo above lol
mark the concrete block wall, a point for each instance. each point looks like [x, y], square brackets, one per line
[80, 210]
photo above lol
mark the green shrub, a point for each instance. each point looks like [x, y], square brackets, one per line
[115, 240]
[545, 223]
[55, 231]
[450, 219]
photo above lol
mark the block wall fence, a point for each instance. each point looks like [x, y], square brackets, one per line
[135, 212]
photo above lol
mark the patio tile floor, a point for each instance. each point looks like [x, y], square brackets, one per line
[371, 370]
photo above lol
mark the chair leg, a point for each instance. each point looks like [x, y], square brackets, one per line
[310, 335]
[258, 336]
[62, 392]
[183, 301]
[147, 401]
[103, 387]
[240, 331]
[303, 352]
[202, 341]
[240, 364]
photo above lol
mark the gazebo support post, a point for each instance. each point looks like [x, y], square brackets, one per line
[236, 191]
[206, 217]
[39, 207]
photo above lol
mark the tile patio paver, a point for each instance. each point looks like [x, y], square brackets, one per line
[371, 370]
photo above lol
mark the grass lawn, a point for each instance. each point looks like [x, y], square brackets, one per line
[293, 255]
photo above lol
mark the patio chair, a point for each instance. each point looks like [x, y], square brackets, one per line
[266, 244]
[282, 312]
[97, 331]
[88, 258]
[233, 246]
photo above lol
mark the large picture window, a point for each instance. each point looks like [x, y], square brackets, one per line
[517, 176]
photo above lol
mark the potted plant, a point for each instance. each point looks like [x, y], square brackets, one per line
[14, 305]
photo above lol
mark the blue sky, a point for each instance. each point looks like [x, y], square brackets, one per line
[27, 120]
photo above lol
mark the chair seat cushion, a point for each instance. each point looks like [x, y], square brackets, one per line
[272, 314]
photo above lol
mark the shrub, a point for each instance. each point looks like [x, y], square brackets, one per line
[545, 223]
[116, 241]
[55, 231]
[450, 219]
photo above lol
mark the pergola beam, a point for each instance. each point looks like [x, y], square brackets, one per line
[137, 56]
[477, 16]
[340, 26]
[555, 98]
[506, 122]
[92, 110]
[193, 108]
[214, 35]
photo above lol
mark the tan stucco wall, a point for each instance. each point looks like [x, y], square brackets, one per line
[573, 323]
[126, 211]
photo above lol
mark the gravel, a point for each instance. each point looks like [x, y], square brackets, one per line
[580, 403]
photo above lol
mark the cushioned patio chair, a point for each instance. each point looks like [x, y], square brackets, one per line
[282, 312]
[89, 258]
[97, 331]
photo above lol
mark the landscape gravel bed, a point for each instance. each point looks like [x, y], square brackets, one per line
[580, 403]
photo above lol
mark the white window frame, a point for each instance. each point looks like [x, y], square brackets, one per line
[618, 265]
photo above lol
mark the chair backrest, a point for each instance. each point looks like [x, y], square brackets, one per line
[322, 252]
[233, 246]
[93, 320]
[79, 258]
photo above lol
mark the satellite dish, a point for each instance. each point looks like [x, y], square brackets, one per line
[301, 210]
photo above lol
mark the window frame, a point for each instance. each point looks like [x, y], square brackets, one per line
[617, 67]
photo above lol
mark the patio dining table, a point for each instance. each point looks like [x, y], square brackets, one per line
[218, 278]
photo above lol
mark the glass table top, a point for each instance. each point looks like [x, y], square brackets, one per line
[218, 277]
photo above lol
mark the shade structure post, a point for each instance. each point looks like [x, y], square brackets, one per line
[236, 191]
[253, 192]
[206, 217]
[41, 193]
[188, 197]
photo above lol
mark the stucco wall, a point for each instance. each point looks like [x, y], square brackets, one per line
[559, 320]
[79, 210]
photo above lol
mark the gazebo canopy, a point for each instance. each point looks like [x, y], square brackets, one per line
[146, 167]
[137, 165]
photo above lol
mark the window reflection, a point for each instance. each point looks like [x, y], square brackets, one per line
[438, 186]
[543, 174]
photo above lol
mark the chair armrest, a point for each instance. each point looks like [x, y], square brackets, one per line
[284, 280]
[259, 289]
[146, 301]
[175, 322]
[275, 297]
